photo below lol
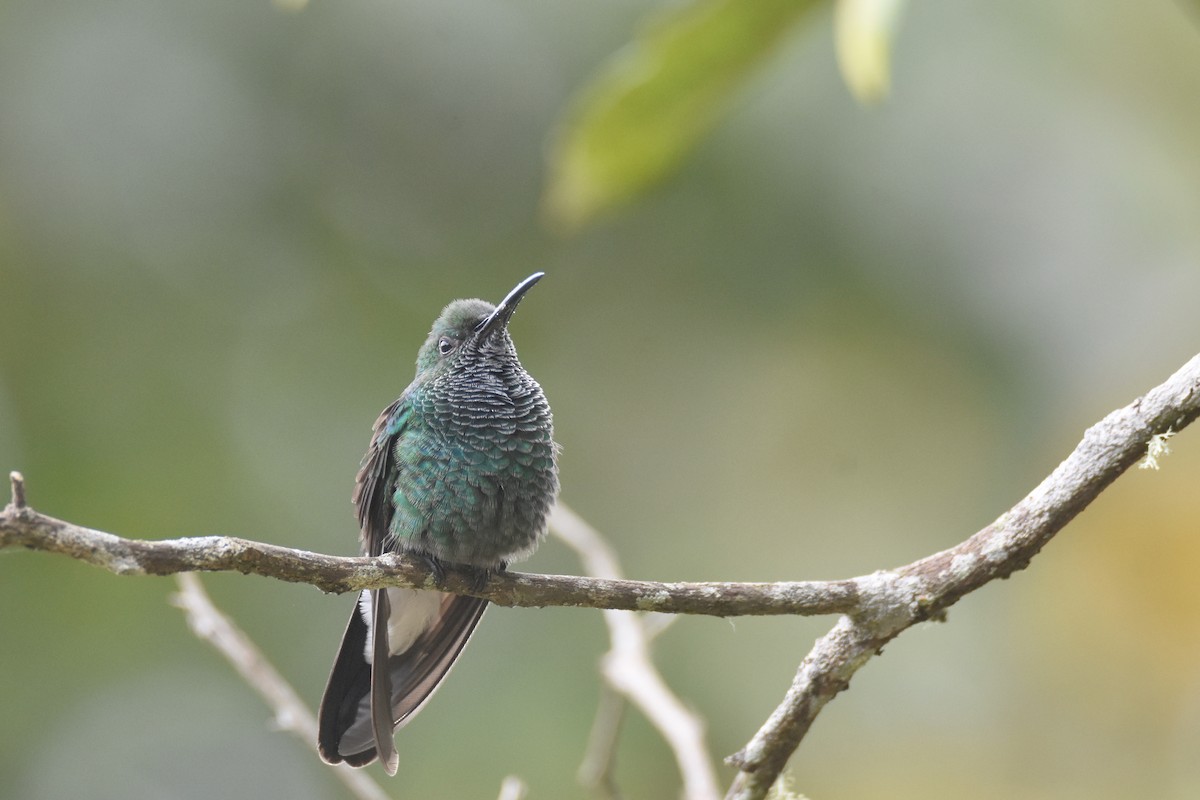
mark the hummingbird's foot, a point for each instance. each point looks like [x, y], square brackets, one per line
[436, 568]
[481, 576]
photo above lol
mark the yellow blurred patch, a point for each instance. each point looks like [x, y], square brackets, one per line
[864, 30]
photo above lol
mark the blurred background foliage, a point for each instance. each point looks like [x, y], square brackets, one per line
[830, 339]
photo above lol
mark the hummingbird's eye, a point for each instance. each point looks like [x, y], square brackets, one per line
[446, 345]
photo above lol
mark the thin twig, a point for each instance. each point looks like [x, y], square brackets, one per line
[597, 770]
[291, 714]
[18, 491]
[512, 788]
[628, 668]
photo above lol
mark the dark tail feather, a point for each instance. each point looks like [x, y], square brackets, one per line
[381, 684]
[413, 676]
[417, 672]
[349, 682]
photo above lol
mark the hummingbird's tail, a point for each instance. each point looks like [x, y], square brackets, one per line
[422, 634]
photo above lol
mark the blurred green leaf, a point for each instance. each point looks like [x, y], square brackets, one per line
[646, 109]
[864, 32]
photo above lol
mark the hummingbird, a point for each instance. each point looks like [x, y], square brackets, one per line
[462, 469]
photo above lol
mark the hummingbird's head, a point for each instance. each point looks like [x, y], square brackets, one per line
[470, 331]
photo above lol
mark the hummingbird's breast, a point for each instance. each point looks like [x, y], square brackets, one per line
[476, 470]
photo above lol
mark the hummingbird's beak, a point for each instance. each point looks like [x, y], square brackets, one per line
[499, 318]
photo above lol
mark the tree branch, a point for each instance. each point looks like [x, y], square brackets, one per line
[878, 606]
[924, 589]
[21, 526]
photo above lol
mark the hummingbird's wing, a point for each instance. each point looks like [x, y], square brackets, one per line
[372, 489]
[374, 511]
[352, 680]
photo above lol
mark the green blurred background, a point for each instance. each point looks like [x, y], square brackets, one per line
[837, 340]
